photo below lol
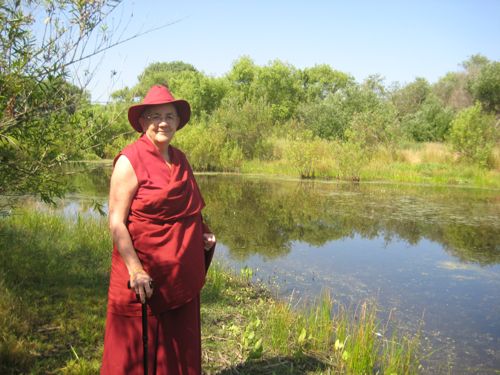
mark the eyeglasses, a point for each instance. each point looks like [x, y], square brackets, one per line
[157, 118]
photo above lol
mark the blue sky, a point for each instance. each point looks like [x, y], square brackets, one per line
[399, 40]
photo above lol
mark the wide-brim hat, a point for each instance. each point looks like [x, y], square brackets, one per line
[156, 95]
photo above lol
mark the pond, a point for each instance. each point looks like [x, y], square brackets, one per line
[428, 256]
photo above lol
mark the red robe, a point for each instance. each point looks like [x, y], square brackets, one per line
[166, 228]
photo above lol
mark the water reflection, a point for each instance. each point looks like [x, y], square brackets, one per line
[422, 252]
[254, 216]
[427, 255]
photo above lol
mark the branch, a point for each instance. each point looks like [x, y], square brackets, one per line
[122, 41]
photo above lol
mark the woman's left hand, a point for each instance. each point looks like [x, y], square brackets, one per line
[209, 240]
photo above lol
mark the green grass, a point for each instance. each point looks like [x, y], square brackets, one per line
[380, 169]
[54, 277]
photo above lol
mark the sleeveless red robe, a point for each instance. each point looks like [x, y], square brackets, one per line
[166, 228]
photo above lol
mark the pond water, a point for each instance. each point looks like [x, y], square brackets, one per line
[428, 256]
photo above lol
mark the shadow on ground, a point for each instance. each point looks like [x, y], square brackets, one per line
[277, 366]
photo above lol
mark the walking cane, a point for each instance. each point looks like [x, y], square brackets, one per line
[145, 338]
[144, 332]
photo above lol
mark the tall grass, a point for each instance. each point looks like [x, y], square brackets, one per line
[427, 163]
[54, 277]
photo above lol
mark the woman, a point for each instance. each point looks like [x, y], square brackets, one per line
[162, 248]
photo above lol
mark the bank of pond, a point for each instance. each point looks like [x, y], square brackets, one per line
[54, 278]
[310, 277]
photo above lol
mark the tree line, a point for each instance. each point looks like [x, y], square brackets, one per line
[277, 111]
[317, 119]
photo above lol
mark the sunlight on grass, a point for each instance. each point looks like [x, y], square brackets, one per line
[54, 284]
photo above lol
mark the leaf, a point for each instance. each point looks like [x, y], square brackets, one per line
[257, 350]
[302, 336]
[251, 335]
[258, 345]
[345, 355]
[338, 345]
[10, 140]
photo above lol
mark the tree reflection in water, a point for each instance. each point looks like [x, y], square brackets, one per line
[262, 216]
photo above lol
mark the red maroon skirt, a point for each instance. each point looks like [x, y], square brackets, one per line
[174, 340]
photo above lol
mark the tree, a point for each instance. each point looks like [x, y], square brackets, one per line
[320, 81]
[474, 65]
[430, 123]
[241, 78]
[409, 98]
[37, 103]
[486, 87]
[184, 80]
[280, 87]
[473, 134]
[453, 92]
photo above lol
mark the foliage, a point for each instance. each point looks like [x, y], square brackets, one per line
[351, 155]
[321, 81]
[327, 118]
[103, 130]
[310, 120]
[452, 91]
[408, 99]
[473, 134]
[279, 86]
[309, 155]
[486, 88]
[202, 92]
[430, 123]
[37, 128]
[246, 125]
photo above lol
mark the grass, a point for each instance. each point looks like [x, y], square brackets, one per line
[54, 277]
[423, 163]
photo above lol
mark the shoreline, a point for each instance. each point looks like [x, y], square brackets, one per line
[493, 184]
[245, 329]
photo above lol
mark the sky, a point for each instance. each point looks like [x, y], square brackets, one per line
[399, 40]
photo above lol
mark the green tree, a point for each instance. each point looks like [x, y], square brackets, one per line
[474, 65]
[246, 125]
[329, 118]
[203, 93]
[486, 88]
[241, 78]
[37, 104]
[408, 99]
[452, 91]
[280, 86]
[320, 81]
[473, 134]
[430, 123]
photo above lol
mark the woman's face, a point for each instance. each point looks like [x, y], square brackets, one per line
[160, 122]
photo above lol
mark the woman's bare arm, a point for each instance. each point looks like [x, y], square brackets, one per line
[122, 190]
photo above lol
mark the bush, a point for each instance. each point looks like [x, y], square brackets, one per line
[474, 134]
[430, 123]
[247, 124]
[311, 156]
[112, 149]
[351, 155]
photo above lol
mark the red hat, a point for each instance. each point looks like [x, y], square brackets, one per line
[156, 95]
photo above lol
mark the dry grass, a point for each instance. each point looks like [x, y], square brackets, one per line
[495, 158]
[429, 152]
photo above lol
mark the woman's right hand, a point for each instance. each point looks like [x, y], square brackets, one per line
[142, 283]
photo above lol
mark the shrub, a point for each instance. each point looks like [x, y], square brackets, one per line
[473, 134]
[430, 123]
[311, 156]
